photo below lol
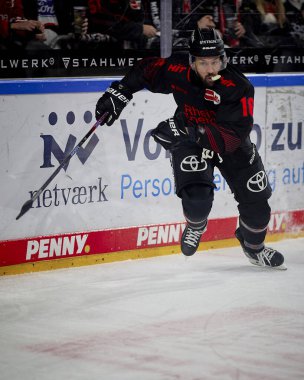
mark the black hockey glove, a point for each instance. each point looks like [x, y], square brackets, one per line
[172, 133]
[113, 101]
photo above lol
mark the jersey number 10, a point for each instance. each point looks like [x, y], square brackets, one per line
[247, 105]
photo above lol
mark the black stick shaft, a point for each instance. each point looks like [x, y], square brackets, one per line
[28, 204]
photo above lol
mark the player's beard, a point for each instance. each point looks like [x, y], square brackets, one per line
[207, 81]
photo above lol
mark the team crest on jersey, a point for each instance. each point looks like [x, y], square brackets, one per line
[212, 96]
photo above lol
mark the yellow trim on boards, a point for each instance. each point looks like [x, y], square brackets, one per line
[78, 261]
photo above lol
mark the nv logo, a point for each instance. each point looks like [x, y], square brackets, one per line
[52, 147]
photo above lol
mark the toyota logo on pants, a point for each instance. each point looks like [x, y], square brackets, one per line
[257, 182]
[193, 164]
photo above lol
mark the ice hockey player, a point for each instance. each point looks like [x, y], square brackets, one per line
[210, 127]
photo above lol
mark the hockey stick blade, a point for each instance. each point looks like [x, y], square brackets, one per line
[28, 204]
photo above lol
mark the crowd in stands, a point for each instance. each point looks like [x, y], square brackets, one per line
[51, 24]
[249, 23]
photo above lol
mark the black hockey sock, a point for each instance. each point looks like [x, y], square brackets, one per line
[253, 237]
[199, 225]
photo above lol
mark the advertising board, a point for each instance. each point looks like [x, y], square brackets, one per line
[119, 185]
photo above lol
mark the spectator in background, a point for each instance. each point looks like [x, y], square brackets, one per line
[203, 15]
[152, 13]
[123, 20]
[272, 13]
[57, 18]
[274, 29]
[245, 23]
[151, 22]
[151, 10]
[230, 23]
[188, 15]
[15, 29]
[294, 10]
[232, 19]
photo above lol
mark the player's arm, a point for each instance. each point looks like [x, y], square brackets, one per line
[233, 123]
[148, 73]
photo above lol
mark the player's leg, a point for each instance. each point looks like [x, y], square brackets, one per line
[194, 185]
[251, 235]
[246, 176]
[193, 176]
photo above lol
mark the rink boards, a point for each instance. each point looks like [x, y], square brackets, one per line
[115, 199]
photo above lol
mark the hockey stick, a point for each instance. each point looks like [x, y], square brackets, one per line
[28, 204]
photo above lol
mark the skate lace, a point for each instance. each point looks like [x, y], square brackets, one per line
[266, 255]
[192, 237]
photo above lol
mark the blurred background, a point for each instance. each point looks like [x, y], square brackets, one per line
[52, 38]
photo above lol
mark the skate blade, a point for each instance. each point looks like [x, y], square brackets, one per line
[256, 263]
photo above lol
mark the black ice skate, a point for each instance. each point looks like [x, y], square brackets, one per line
[268, 257]
[190, 240]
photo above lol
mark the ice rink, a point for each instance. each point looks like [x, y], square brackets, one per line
[211, 316]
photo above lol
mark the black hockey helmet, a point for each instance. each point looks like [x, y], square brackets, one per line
[206, 42]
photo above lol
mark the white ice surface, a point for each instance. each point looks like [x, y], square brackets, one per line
[211, 316]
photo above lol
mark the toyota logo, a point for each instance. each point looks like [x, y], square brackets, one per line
[193, 164]
[258, 182]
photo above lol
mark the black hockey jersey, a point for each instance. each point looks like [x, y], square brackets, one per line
[225, 111]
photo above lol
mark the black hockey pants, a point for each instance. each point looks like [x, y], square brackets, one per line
[244, 172]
